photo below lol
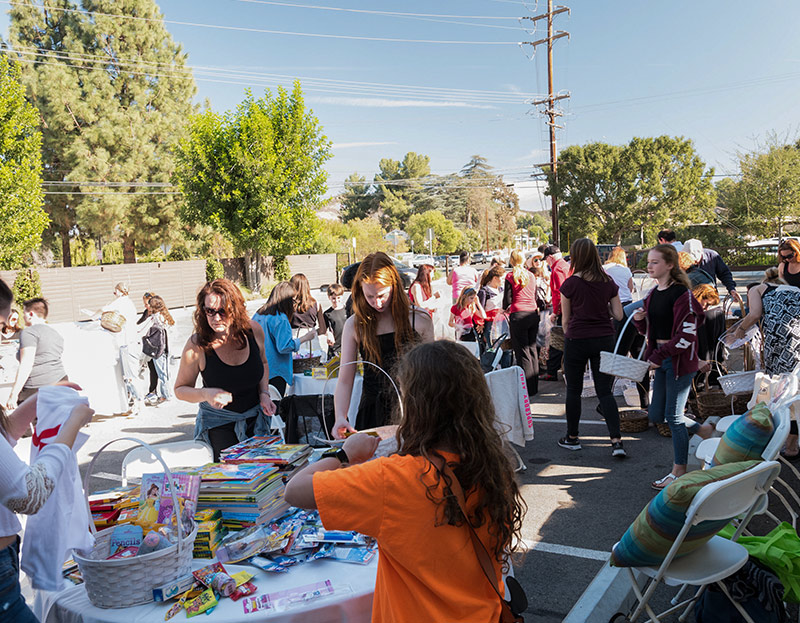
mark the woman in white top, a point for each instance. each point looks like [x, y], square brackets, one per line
[24, 489]
[617, 268]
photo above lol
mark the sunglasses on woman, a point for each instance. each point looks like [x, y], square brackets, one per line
[211, 312]
[786, 258]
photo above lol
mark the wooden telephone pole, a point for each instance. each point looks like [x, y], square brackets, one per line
[551, 98]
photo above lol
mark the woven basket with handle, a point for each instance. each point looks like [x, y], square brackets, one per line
[112, 321]
[622, 365]
[129, 582]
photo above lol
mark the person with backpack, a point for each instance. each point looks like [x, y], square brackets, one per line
[155, 346]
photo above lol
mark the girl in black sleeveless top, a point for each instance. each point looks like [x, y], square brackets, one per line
[789, 267]
[383, 324]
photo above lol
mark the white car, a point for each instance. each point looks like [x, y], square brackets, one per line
[419, 260]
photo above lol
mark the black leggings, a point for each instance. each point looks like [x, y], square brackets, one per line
[524, 326]
[224, 436]
[577, 353]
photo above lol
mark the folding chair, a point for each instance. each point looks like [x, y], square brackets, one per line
[719, 557]
[175, 454]
[276, 423]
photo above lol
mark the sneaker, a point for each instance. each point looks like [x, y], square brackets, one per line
[570, 443]
[547, 377]
[617, 451]
[151, 397]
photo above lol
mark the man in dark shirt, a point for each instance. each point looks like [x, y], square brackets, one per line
[710, 261]
[335, 316]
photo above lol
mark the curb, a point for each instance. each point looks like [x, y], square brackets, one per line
[609, 592]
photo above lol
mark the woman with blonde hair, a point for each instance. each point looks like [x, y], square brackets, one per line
[383, 325]
[522, 305]
[467, 316]
[617, 268]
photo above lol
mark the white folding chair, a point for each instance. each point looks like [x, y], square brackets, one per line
[175, 454]
[276, 423]
[744, 493]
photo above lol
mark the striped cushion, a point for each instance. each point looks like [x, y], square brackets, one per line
[746, 437]
[647, 541]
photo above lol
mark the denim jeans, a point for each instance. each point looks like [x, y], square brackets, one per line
[577, 353]
[162, 370]
[667, 405]
[129, 363]
[13, 608]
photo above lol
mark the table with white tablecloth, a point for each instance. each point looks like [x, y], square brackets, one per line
[353, 601]
[303, 385]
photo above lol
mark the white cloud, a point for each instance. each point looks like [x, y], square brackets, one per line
[362, 144]
[372, 102]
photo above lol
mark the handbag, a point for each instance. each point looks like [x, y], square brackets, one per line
[518, 603]
[153, 343]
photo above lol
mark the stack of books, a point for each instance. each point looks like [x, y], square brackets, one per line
[288, 458]
[114, 506]
[210, 532]
[247, 494]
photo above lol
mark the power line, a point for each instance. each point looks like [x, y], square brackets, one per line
[309, 84]
[373, 12]
[262, 30]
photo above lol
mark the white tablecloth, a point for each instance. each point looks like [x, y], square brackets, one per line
[303, 385]
[354, 606]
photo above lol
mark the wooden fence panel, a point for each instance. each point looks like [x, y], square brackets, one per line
[319, 269]
[67, 290]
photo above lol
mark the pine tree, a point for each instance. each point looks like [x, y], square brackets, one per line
[115, 95]
[138, 101]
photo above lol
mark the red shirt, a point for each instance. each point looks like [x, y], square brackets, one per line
[463, 316]
[523, 298]
[558, 275]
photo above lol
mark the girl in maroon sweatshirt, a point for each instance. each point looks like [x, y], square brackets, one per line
[670, 319]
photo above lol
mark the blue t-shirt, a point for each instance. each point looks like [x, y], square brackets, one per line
[278, 344]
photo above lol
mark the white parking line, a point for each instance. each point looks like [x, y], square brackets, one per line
[551, 420]
[565, 550]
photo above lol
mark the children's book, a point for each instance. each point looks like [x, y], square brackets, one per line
[155, 502]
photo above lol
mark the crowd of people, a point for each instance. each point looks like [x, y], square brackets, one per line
[435, 390]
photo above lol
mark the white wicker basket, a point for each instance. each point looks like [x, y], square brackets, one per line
[621, 365]
[130, 582]
[738, 382]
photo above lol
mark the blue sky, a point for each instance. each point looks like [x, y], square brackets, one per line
[724, 74]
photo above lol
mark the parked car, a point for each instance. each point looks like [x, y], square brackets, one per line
[407, 274]
[440, 260]
[420, 259]
[478, 258]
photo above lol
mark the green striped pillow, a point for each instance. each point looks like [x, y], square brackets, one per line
[648, 539]
[746, 437]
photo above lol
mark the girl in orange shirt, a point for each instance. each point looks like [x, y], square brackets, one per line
[427, 568]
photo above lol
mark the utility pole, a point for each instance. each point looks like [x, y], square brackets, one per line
[551, 98]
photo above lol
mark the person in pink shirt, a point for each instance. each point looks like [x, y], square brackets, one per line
[463, 276]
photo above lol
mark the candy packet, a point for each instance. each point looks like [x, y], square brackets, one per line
[203, 602]
[215, 577]
[248, 588]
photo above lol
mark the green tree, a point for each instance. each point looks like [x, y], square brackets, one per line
[359, 199]
[22, 218]
[608, 191]
[766, 199]
[471, 240]
[27, 285]
[256, 174]
[446, 238]
[137, 100]
[54, 85]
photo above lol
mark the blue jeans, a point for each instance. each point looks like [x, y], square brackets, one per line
[129, 362]
[13, 608]
[162, 370]
[667, 405]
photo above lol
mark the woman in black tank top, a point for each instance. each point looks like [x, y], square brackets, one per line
[789, 266]
[227, 352]
[383, 324]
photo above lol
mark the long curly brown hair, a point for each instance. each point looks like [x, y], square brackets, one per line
[378, 268]
[233, 303]
[447, 406]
